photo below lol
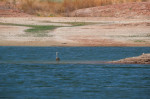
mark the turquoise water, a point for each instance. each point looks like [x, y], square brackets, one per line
[32, 73]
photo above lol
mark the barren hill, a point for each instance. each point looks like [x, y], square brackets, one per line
[127, 10]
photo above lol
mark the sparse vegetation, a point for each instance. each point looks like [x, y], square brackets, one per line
[60, 7]
[41, 30]
[79, 23]
[35, 30]
[75, 23]
[140, 41]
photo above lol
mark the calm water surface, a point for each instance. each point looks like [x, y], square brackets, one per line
[32, 73]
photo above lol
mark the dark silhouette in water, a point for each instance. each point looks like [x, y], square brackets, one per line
[57, 58]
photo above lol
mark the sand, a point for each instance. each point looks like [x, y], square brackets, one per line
[106, 32]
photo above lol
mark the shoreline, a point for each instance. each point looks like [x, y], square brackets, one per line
[43, 44]
[100, 31]
[142, 59]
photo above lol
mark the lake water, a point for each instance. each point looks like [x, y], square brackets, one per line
[32, 73]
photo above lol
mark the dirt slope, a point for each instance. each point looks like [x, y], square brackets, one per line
[128, 10]
[8, 10]
[143, 59]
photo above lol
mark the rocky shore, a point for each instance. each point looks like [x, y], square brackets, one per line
[142, 59]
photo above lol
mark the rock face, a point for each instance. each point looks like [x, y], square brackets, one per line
[143, 59]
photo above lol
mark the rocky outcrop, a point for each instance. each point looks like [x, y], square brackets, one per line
[143, 59]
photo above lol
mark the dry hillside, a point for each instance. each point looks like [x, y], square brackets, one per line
[128, 10]
[79, 8]
[9, 10]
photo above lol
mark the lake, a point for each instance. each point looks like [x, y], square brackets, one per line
[33, 73]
